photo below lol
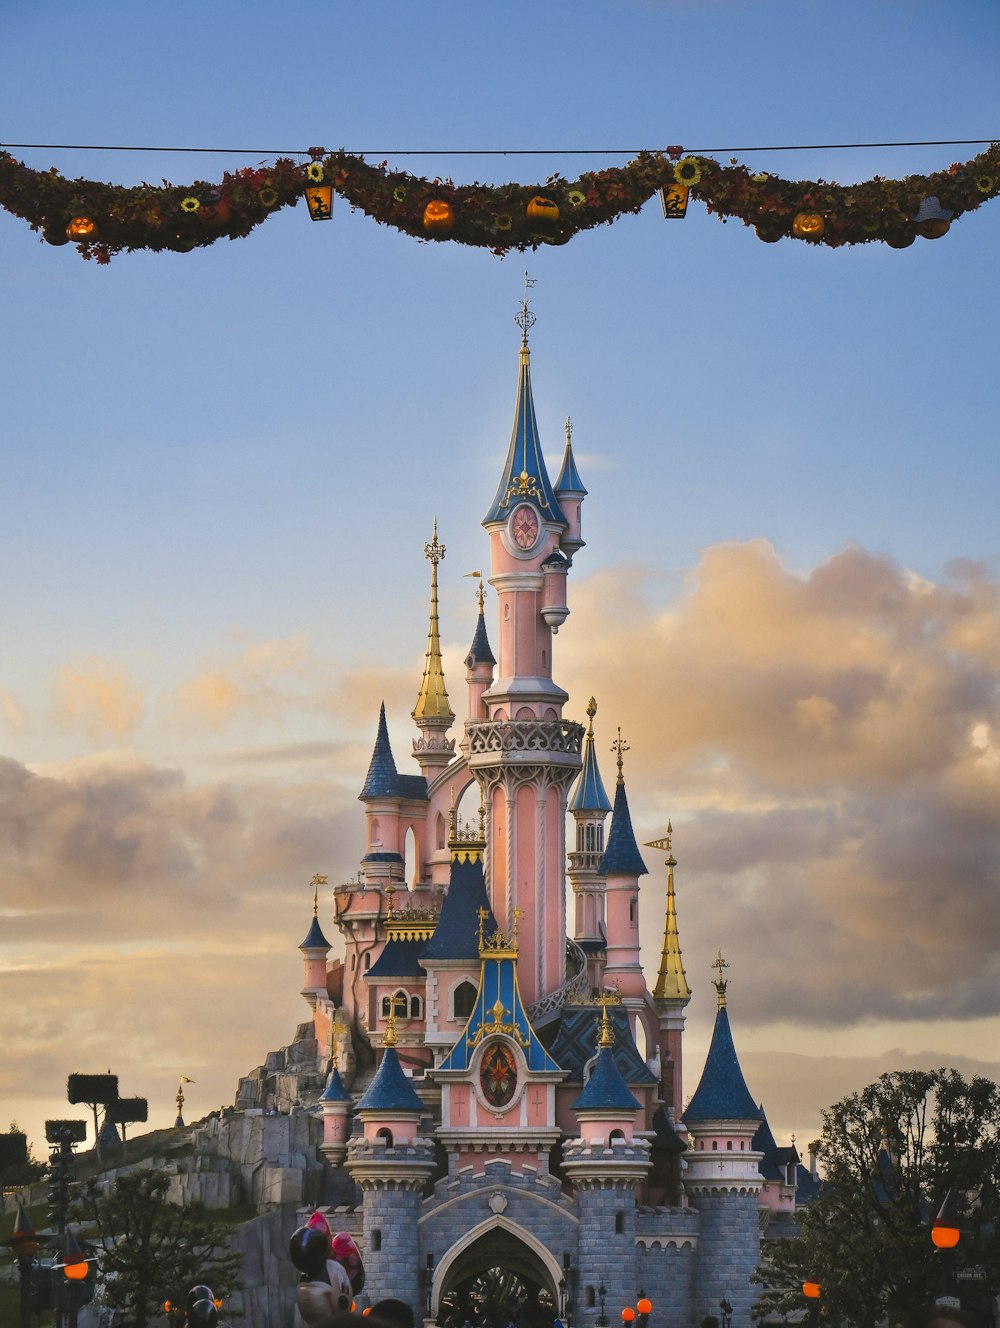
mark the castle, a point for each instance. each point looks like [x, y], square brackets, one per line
[503, 1093]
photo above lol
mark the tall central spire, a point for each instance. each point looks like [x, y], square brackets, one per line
[433, 712]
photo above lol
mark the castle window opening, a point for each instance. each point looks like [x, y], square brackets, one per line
[619, 1223]
[376, 1239]
[386, 1136]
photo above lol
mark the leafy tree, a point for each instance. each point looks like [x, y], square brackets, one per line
[890, 1154]
[151, 1251]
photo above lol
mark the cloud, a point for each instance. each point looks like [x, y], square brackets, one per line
[259, 683]
[826, 744]
[97, 699]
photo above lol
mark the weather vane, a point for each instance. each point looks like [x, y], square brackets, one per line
[620, 747]
[524, 318]
[480, 593]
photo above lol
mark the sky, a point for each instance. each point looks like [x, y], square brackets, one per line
[221, 468]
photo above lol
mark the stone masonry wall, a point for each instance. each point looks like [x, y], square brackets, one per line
[727, 1255]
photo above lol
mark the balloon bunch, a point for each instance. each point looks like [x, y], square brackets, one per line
[202, 1311]
[332, 1271]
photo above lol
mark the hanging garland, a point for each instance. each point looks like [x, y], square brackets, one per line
[105, 219]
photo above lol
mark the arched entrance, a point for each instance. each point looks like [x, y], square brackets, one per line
[497, 1274]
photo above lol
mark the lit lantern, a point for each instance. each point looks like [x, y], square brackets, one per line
[543, 213]
[319, 200]
[674, 201]
[810, 1290]
[932, 220]
[808, 225]
[439, 218]
[945, 1232]
[75, 1266]
[628, 1314]
[82, 228]
[215, 210]
[644, 1306]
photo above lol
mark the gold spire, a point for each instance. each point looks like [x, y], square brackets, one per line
[432, 702]
[721, 983]
[605, 1033]
[671, 981]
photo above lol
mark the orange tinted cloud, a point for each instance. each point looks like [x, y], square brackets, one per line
[97, 699]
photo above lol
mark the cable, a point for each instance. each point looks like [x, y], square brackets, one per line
[499, 152]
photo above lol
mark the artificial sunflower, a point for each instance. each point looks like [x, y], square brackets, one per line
[760, 177]
[504, 221]
[688, 171]
[190, 204]
[315, 172]
[268, 196]
[575, 198]
[984, 183]
[399, 193]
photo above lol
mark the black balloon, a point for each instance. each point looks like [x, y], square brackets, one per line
[203, 1314]
[200, 1292]
[308, 1250]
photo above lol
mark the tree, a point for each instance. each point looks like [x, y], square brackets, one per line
[890, 1154]
[151, 1251]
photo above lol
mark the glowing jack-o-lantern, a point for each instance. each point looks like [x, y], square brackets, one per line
[543, 213]
[439, 218]
[82, 228]
[808, 225]
[215, 210]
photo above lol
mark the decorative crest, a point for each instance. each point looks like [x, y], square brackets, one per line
[524, 318]
[620, 747]
[721, 983]
[500, 942]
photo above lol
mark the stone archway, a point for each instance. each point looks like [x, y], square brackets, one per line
[497, 1245]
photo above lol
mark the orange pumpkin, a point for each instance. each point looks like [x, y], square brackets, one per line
[215, 211]
[808, 225]
[439, 218]
[544, 212]
[82, 228]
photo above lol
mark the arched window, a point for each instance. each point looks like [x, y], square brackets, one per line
[463, 999]
[619, 1223]
[589, 1293]
[633, 910]
[398, 1001]
[715, 1145]
[416, 1007]
[616, 1134]
[385, 1135]
[442, 833]
[368, 960]
[729, 1145]
[376, 1239]
[376, 832]
[354, 960]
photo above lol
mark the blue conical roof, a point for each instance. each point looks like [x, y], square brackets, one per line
[315, 940]
[722, 1093]
[335, 1090]
[456, 935]
[590, 794]
[622, 856]
[390, 1090]
[569, 480]
[524, 477]
[606, 1090]
[382, 774]
[479, 651]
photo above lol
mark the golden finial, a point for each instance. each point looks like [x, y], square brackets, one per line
[620, 747]
[435, 550]
[333, 1042]
[524, 318]
[484, 913]
[590, 712]
[432, 702]
[482, 817]
[605, 1033]
[721, 983]
[390, 891]
[389, 1037]
[480, 593]
[518, 915]
[316, 882]
[569, 431]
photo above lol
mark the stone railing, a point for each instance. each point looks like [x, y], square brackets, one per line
[573, 990]
[525, 735]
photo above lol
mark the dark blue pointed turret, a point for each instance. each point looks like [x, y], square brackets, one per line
[569, 481]
[479, 651]
[382, 774]
[524, 476]
[390, 1090]
[335, 1090]
[315, 940]
[456, 935]
[622, 856]
[722, 1093]
[606, 1090]
[590, 794]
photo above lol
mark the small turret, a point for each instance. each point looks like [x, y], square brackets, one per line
[480, 661]
[622, 865]
[571, 493]
[315, 949]
[590, 806]
[722, 1116]
[671, 993]
[336, 1103]
[433, 713]
[607, 1106]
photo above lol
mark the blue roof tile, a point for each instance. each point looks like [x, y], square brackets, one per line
[399, 959]
[479, 651]
[315, 940]
[590, 794]
[569, 480]
[722, 1093]
[383, 780]
[573, 1045]
[606, 1089]
[622, 856]
[390, 1090]
[335, 1090]
[456, 935]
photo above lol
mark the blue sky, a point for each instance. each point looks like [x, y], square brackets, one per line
[222, 468]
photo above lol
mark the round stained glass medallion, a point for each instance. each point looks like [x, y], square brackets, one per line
[498, 1074]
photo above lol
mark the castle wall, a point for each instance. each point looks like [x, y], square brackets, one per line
[727, 1255]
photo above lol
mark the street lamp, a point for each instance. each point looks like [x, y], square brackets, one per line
[811, 1291]
[428, 1280]
[602, 1318]
[945, 1235]
[644, 1308]
[725, 1305]
[24, 1242]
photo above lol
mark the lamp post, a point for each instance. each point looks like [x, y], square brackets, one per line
[644, 1307]
[726, 1307]
[24, 1242]
[945, 1235]
[602, 1318]
[811, 1291]
[428, 1281]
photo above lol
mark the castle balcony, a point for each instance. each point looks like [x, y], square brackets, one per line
[524, 742]
[585, 861]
